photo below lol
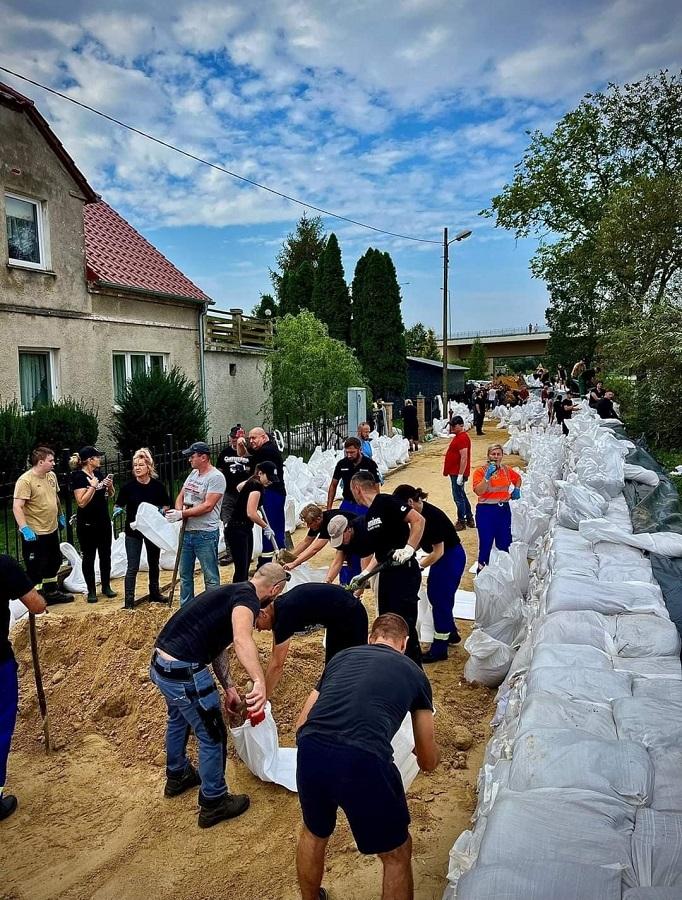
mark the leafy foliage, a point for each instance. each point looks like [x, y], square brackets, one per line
[267, 307]
[477, 362]
[420, 341]
[331, 298]
[157, 403]
[309, 372]
[16, 437]
[303, 245]
[65, 424]
[297, 289]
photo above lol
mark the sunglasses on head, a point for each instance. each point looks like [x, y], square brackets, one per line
[287, 577]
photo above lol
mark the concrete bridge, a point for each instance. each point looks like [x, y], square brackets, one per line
[499, 344]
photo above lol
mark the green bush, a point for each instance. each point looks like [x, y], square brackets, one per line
[65, 423]
[16, 437]
[155, 404]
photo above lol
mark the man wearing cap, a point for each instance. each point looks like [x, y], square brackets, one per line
[457, 464]
[318, 535]
[198, 506]
[330, 605]
[262, 449]
[39, 516]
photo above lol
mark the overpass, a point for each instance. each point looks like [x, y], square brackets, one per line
[499, 344]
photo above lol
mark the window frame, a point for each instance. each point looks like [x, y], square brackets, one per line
[52, 372]
[43, 248]
[128, 357]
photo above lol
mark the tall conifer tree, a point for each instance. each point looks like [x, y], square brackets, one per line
[331, 298]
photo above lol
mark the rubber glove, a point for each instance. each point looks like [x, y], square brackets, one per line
[174, 515]
[28, 533]
[460, 480]
[117, 511]
[516, 494]
[490, 471]
[402, 556]
[268, 533]
[61, 518]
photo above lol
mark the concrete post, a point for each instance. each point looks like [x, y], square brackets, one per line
[388, 417]
[421, 416]
[237, 325]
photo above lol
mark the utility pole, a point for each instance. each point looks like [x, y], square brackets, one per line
[446, 248]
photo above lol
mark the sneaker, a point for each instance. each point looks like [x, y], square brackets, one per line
[58, 597]
[8, 804]
[460, 526]
[178, 784]
[471, 523]
[108, 592]
[229, 806]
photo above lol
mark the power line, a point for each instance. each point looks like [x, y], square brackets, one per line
[205, 162]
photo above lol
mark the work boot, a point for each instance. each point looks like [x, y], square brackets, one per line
[8, 804]
[216, 809]
[470, 522]
[107, 591]
[438, 651]
[155, 595]
[455, 637]
[92, 597]
[129, 600]
[460, 526]
[59, 597]
[179, 783]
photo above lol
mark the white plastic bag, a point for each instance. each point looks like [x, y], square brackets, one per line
[258, 748]
[403, 757]
[573, 592]
[663, 543]
[156, 528]
[75, 581]
[489, 659]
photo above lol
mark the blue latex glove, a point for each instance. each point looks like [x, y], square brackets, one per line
[490, 471]
[28, 533]
[516, 494]
[62, 520]
[117, 511]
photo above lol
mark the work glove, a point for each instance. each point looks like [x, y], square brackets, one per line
[28, 533]
[402, 556]
[174, 515]
[268, 533]
[117, 512]
[515, 494]
[61, 518]
[460, 480]
[490, 471]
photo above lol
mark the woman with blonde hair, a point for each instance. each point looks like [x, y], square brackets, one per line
[143, 487]
[495, 484]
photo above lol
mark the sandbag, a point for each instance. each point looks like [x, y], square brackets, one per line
[155, 527]
[577, 502]
[657, 849]
[617, 573]
[258, 748]
[548, 711]
[305, 574]
[589, 628]
[572, 592]
[566, 758]
[641, 475]
[570, 655]
[643, 635]
[658, 688]
[650, 721]
[649, 666]
[539, 881]
[403, 757]
[75, 580]
[594, 685]
[663, 543]
[667, 763]
[489, 659]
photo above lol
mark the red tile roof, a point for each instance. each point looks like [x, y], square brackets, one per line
[117, 254]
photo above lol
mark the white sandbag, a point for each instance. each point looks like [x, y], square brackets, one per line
[539, 881]
[119, 558]
[306, 574]
[589, 628]
[661, 689]
[663, 543]
[17, 611]
[657, 849]
[641, 475]
[548, 824]
[489, 659]
[548, 711]
[570, 655]
[75, 580]
[463, 854]
[647, 720]
[643, 635]
[498, 600]
[583, 564]
[528, 524]
[566, 758]
[490, 780]
[577, 502]
[572, 592]
[609, 553]
[565, 540]
[617, 573]
[403, 757]
[649, 666]
[594, 685]
[258, 748]
[425, 627]
[653, 893]
[667, 782]
[156, 527]
[518, 554]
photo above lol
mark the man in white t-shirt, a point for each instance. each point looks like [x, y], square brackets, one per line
[198, 504]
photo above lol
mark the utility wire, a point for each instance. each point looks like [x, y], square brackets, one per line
[205, 162]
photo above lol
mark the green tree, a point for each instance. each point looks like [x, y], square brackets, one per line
[331, 297]
[378, 332]
[267, 307]
[420, 341]
[157, 403]
[303, 245]
[309, 372]
[65, 423]
[477, 362]
[297, 289]
[16, 438]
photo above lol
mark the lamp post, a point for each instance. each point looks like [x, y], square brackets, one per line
[460, 236]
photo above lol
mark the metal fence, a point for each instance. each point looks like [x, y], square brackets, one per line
[329, 432]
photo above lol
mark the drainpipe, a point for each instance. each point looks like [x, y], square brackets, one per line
[202, 361]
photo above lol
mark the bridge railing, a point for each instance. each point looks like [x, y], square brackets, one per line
[496, 332]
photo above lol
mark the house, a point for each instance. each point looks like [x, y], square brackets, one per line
[86, 301]
[425, 377]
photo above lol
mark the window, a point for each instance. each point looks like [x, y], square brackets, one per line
[37, 382]
[127, 365]
[25, 238]
[233, 368]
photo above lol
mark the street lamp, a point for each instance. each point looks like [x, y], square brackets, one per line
[460, 236]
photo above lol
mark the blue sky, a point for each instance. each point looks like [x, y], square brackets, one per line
[407, 115]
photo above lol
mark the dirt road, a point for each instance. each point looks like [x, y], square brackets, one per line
[92, 821]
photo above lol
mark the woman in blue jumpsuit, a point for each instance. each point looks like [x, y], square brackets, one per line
[446, 560]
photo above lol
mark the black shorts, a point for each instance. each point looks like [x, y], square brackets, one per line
[367, 788]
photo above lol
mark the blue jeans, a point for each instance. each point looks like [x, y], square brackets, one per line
[461, 500]
[194, 704]
[9, 701]
[201, 545]
[493, 521]
[273, 504]
[353, 564]
[441, 585]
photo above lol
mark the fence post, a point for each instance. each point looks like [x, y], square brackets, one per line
[237, 325]
[171, 468]
[421, 419]
[388, 417]
[288, 430]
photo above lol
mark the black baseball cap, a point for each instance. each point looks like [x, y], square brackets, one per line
[197, 447]
[270, 469]
[234, 431]
[88, 452]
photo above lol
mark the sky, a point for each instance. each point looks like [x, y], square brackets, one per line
[408, 116]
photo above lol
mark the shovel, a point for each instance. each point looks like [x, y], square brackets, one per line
[42, 702]
[174, 580]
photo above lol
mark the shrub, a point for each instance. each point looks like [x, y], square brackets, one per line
[65, 423]
[16, 437]
[155, 404]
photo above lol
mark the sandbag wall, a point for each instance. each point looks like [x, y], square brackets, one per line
[580, 794]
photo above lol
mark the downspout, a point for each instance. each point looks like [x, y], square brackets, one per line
[202, 361]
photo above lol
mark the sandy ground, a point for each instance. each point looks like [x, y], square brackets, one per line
[92, 821]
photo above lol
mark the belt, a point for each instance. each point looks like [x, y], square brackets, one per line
[177, 673]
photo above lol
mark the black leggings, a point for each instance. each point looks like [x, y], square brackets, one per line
[239, 538]
[95, 539]
[133, 554]
[399, 593]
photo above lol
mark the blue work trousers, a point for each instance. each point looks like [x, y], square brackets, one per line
[353, 564]
[493, 521]
[461, 500]
[193, 705]
[443, 581]
[273, 504]
[202, 546]
[9, 702]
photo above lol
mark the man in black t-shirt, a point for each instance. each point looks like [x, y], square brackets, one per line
[236, 469]
[353, 461]
[341, 613]
[261, 448]
[345, 757]
[393, 533]
[197, 635]
[14, 585]
[605, 408]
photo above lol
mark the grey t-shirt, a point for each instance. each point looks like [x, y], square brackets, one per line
[196, 488]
